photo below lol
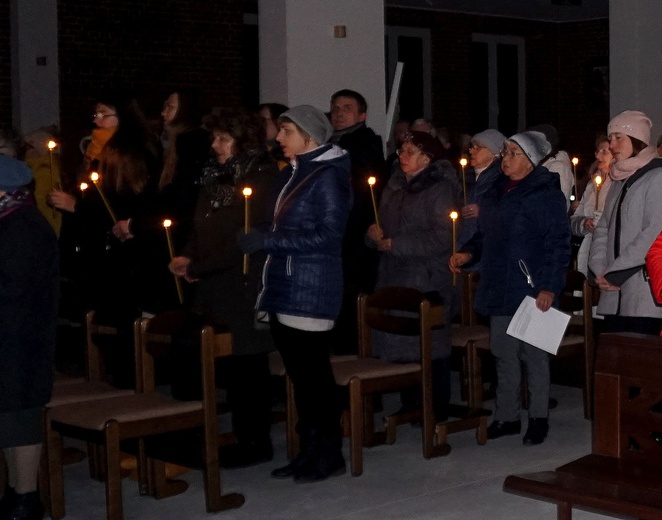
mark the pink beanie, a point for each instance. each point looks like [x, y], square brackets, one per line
[633, 123]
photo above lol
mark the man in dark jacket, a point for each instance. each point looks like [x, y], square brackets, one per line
[348, 115]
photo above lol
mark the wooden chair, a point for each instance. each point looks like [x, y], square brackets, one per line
[108, 422]
[579, 340]
[383, 310]
[470, 339]
[623, 474]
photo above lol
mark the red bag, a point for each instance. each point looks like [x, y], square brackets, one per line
[654, 268]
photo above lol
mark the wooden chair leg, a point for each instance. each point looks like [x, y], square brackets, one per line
[159, 485]
[564, 511]
[93, 462]
[113, 472]
[356, 425]
[211, 470]
[143, 479]
[54, 470]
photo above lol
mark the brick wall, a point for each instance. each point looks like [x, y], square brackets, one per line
[559, 61]
[148, 47]
[5, 67]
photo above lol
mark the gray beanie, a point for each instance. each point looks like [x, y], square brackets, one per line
[312, 121]
[534, 145]
[491, 139]
[13, 174]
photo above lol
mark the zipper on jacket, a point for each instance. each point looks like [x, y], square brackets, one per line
[288, 265]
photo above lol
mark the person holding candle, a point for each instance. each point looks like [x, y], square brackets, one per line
[29, 288]
[523, 245]
[630, 222]
[485, 161]
[415, 239]
[212, 262]
[114, 276]
[303, 283]
[588, 213]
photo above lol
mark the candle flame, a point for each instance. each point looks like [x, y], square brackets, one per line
[372, 181]
[463, 162]
[94, 177]
[51, 145]
[598, 180]
[167, 223]
[575, 161]
[247, 192]
[83, 186]
[454, 215]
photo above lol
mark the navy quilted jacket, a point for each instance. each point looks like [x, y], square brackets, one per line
[303, 272]
[530, 223]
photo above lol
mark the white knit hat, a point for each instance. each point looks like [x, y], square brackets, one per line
[633, 123]
[534, 145]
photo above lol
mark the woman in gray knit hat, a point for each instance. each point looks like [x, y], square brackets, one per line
[523, 245]
[303, 284]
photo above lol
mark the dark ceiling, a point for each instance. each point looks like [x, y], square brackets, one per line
[546, 10]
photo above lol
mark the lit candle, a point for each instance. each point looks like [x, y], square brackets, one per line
[83, 186]
[247, 192]
[94, 177]
[575, 162]
[454, 216]
[51, 146]
[463, 164]
[598, 183]
[371, 183]
[166, 225]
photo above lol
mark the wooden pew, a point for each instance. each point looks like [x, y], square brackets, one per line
[623, 474]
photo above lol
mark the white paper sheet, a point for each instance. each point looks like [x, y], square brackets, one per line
[544, 330]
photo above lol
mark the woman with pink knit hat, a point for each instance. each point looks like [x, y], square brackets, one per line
[629, 224]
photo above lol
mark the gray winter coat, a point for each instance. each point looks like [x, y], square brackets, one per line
[415, 216]
[640, 224]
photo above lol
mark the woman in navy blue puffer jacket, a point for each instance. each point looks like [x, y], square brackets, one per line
[523, 229]
[303, 283]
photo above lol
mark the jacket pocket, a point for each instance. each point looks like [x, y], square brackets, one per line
[288, 265]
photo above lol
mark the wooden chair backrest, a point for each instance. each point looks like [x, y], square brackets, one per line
[398, 310]
[156, 341]
[628, 398]
[469, 283]
[94, 365]
[577, 295]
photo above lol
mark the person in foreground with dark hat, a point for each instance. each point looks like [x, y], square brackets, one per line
[28, 310]
[523, 245]
[415, 238]
[303, 283]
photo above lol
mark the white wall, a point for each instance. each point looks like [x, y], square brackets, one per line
[35, 88]
[302, 63]
[635, 67]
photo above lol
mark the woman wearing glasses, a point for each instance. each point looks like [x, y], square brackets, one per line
[415, 238]
[114, 275]
[523, 245]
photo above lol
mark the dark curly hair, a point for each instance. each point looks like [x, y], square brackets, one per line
[244, 127]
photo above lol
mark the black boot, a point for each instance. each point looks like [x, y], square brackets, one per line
[536, 431]
[310, 451]
[330, 462]
[7, 502]
[27, 507]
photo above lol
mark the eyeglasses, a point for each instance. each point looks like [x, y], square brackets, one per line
[509, 154]
[100, 115]
[406, 152]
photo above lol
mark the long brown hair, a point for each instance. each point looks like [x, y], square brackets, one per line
[124, 162]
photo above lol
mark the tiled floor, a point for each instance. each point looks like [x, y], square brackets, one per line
[397, 483]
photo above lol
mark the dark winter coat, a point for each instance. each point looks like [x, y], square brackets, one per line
[223, 294]
[475, 192]
[29, 281]
[303, 273]
[528, 223]
[415, 216]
